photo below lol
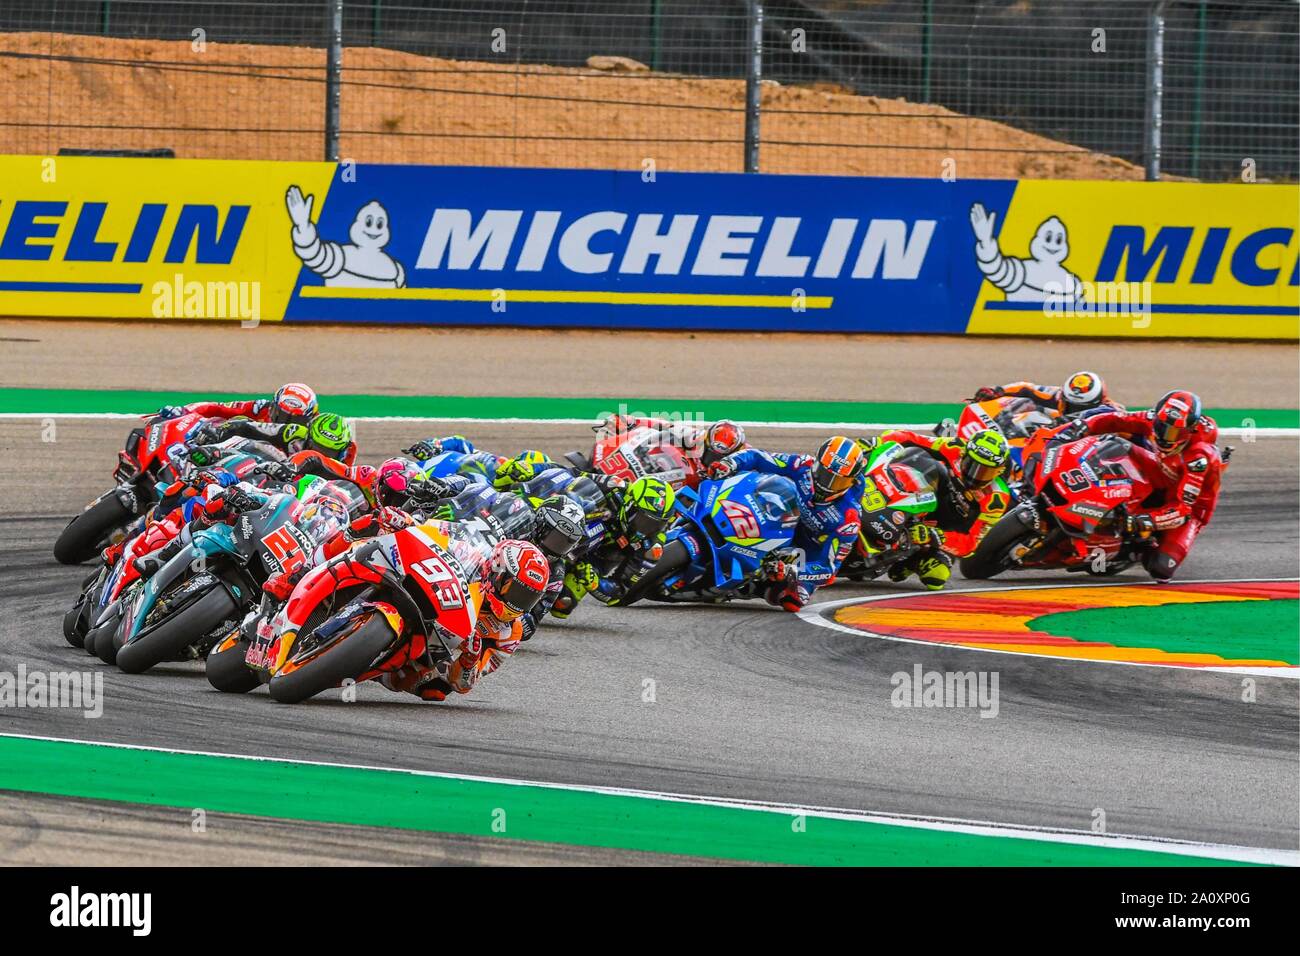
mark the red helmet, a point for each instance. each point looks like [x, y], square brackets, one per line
[515, 579]
[294, 402]
[1174, 418]
[723, 438]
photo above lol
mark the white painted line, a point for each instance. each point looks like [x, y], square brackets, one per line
[805, 426]
[1218, 851]
[815, 614]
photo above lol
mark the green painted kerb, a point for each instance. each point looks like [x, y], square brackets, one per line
[1241, 630]
[444, 805]
[91, 401]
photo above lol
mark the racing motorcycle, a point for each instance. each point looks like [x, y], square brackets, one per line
[1074, 518]
[194, 599]
[632, 453]
[899, 491]
[149, 458]
[1019, 419]
[104, 586]
[396, 598]
[728, 530]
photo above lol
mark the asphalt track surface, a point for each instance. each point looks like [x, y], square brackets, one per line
[750, 702]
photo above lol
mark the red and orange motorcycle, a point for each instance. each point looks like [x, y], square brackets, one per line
[401, 597]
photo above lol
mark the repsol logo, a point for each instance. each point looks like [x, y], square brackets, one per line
[1185, 253]
[653, 243]
[195, 232]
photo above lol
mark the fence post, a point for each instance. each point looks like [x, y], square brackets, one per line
[1155, 87]
[333, 80]
[753, 88]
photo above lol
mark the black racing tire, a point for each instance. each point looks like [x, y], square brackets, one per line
[80, 540]
[102, 641]
[227, 672]
[74, 622]
[674, 558]
[167, 639]
[990, 558]
[351, 655]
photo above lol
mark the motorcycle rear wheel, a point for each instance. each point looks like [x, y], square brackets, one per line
[353, 654]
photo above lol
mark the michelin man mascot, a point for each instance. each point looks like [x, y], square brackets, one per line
[361, 263]
[1036, 279]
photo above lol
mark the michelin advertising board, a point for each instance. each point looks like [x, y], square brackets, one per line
[304, 242]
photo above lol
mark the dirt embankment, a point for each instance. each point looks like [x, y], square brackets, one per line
[244, 101]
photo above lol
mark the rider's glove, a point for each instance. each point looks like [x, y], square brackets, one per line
[1071, 431]
[277, 470]
[428, 489]
[202, 434]
[924, 534]
[170, 411]
[987, 393]
[238, 501]
[424, 449]
[722, 468]
[394, 519]
[868, 445]
[528, 627]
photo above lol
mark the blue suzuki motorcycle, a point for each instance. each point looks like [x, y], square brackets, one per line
[727, 531]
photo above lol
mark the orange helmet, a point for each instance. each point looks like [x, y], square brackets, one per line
[515, 579]
[835, 468]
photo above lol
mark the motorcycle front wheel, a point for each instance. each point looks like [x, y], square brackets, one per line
[367, 637]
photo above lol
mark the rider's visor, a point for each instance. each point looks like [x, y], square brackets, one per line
[1168, 435]
[828, 486]
[643, 524]
[977, 475]
[511, 598]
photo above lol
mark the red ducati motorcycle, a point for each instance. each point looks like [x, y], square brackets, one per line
[146, 461]
[1075, 517]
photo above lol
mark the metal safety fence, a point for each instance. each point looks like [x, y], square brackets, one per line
[1093, 89]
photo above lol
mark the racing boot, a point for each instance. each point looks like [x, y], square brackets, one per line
[933, 568]
[577, 583]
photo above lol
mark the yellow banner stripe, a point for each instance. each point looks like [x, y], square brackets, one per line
[568, 297]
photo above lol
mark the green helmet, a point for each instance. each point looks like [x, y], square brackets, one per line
[648, 505]
[983, 458]
[330, 434]
[525, 466]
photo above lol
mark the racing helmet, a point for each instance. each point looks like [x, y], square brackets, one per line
[329, 434]
[648, 505]
[836, 468]
[561, 524]
[721, 439]
[983, 459]
[525, 466]
[294, 403]
[515, 579]
[1174, 418]
[393, 479]
[1082, 391]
